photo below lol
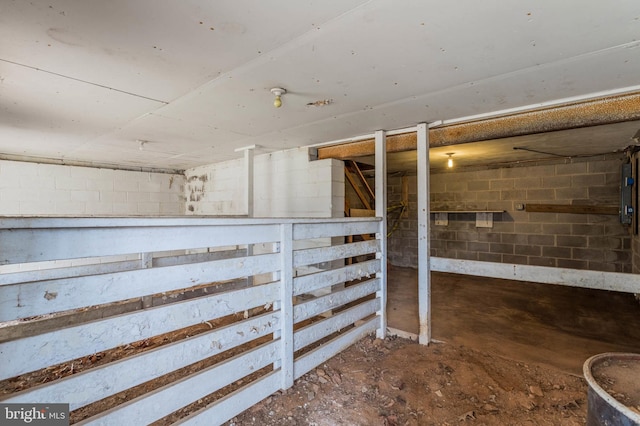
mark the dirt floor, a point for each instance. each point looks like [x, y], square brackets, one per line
[398, 382]
[552, 325]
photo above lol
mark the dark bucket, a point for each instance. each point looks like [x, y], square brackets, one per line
[602, 408]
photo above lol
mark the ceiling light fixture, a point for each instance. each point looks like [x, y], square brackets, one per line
[278, 92]
[450, 160]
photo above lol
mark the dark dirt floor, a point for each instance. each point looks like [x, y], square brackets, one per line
[398, 382]
[552, 325]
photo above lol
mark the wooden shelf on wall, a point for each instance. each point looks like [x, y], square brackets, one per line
[572, 208]
[484, 218]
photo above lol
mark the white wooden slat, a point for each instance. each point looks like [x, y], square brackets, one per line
[149, 222]
[164, 401]
[68, 272]
[234, 403]
[92, 385]
[196, 257]
[286, 305]
[305, 231]
[34, 245]
[317, 331]
[333, 300]
[312, 282]
[612, 281]
[328, 254]
[39, 298]
[310, 360]
[73, 342]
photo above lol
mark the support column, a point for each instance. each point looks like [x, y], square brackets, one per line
[381, 211]
[424, 266]
[286, 305]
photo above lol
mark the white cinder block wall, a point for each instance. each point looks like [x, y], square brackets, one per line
[28, 189]
[286, 184]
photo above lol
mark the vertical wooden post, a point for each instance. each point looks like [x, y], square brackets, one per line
[381, 211]
[424, 267]
[286, 304]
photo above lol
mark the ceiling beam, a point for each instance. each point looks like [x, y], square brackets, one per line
[608, 110]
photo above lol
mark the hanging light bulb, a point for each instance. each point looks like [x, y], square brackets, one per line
[450, 160]
[278, 92]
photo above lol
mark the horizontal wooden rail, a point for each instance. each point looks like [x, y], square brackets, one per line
[572, 208]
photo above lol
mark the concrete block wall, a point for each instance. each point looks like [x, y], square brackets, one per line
[28, 189]
[579, 241]
[286, 184]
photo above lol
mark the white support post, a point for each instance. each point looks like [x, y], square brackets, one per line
[424, 268]
[248, 189]
[286, 304]
[248, 182]
[381, 211]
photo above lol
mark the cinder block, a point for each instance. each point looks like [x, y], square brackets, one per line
[556, 181]
[572, 194]
[514, 238]
[501, 248]
[587, 229]
[597, 179]
[527, 250]
[69, 183]
[571, 241]
[571, 169]
[542, 261]
[515, 259]
[478, 185]
[587, 254]
[490, 257]
[502, 184]
[572, 264]
[541, 240]
[556, 228]
[557, 252]
[540, 194]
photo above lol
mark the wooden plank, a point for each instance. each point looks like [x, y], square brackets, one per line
[354, 184]
[68, 272]
[92, 385]
[612, 281]
[381, 234]
[572, 208]
[424, 236]
[312, 282]
[197, 257]
[396, 143]
[234, 403]
[69, 343]
[363, 180]
[593, 112]
[308, 309]
[328, 254]
[318, 330]
[311, 360]
[362, 213]
[69, 243]
[304, 231]
[39, 298]
[167, 399]
[286, 305]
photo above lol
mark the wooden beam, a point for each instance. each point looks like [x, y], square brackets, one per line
[364, 182]
[608, 110]
[356, 187]
[572, 208]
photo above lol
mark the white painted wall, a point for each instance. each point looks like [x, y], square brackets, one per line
[47, 190]
[286, 183]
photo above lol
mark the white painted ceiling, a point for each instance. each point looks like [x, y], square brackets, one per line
[83, 81]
